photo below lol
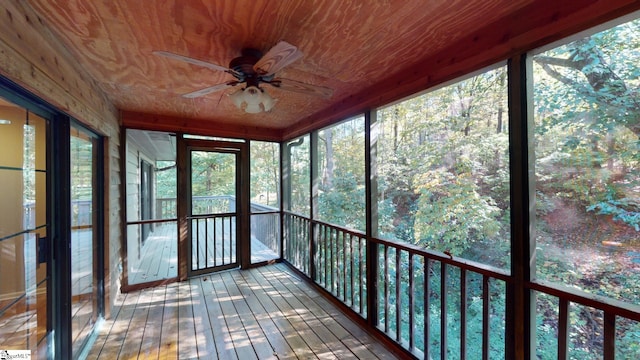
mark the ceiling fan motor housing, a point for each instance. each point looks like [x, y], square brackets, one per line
[244, 63]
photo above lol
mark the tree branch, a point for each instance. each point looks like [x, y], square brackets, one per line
[550, 60]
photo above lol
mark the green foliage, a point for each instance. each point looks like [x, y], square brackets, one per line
[625, 210]
[344, 204]
[265, 173]
[452, 209]
[166, 179]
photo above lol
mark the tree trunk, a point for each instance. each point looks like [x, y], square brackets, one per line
[328, 171]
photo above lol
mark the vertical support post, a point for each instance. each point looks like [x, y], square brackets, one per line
[563, 329]
[285, 185]
[486, 317]
[426, 299]
[183, 162]
[463, 314]
[609, 336]
[59, 158]
[520, 320]
[313, 194]
[243, 206]
[371, 173]
[444, 291]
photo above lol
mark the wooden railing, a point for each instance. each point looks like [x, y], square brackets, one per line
[265, 226]
[213, 241]
[424, 297]
[265, 220]
[296, 242]
[340, 264]
[429, 303]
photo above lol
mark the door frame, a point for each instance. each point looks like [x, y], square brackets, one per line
[243, 221]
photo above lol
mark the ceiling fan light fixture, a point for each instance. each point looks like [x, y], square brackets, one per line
[252, 95]
[238, 98]
[253, 108]
[252, 100]
[267, 101]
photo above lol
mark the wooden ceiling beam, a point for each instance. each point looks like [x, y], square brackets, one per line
[174, 124]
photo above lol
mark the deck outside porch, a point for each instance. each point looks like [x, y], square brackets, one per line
[262, 313]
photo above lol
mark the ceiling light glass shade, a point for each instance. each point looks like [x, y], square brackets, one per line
[267, 101]
[252, 95]
[252, 100]
[238, 98]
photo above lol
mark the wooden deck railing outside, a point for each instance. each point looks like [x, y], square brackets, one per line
[416, 290]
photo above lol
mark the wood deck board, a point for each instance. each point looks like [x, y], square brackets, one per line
[350, 333]
[150, 345]
[279, 344]
[313, 337]
[237, 332]
[322, 324]
[158, 256]
[204, 335]
[221, 337]
[293, 338]
[262, 313]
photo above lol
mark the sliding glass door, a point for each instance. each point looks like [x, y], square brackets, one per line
[24, 230]
[85, 234]
[51, 231]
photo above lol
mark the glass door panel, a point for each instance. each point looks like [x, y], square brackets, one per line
[84, 237]
[213, 210]
[23, 231]
[265, 201]
[151, 211]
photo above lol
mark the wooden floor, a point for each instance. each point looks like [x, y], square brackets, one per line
[159, 255]
[262, 313]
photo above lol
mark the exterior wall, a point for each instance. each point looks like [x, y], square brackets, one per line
[34, 59]
[133, 202]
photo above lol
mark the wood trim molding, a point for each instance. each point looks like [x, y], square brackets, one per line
[166, 123]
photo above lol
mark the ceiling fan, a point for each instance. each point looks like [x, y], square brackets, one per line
[253, 69]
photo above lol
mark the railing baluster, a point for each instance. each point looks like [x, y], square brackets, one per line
[563, 325]
[305, 246]
[411, 290]
[386, 289]
[326, 258]
[443, 311]
[463, 314]
[360, 274]
[232, 243]
[215, 241]
[333, 267]
[398, 299]
[609, 346]
[486, 313]
[296, 242]
[197, 244]
[215, 248]
[352, 277]
[426, 304]
[206, 243]
[344, 267]
[337, 265]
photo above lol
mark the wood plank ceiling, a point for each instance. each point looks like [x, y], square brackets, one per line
[370, 52]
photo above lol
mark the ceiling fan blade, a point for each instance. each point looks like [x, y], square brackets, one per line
[210, 89]
[279, 56]
[194, 61]
[300, 87]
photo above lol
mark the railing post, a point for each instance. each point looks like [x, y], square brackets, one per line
[371, 174]
[315, 181]
[520, 321]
